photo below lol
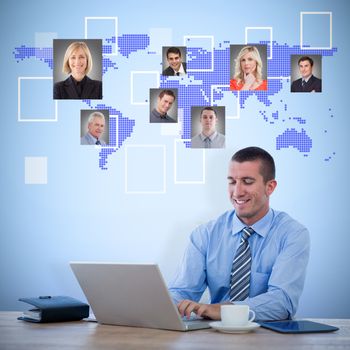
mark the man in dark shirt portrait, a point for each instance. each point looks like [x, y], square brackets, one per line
[165, 101]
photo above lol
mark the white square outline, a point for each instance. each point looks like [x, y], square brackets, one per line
[163, 191]
[115, 34]
[211, 37]
[260, 28]
[183, 182]
[19, 117]
[25, 168]
[238, 116]
[330, 30]
[132, 73]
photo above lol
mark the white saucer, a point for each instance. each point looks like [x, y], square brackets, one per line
[234, 329]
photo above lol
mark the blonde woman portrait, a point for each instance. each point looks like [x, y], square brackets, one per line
[247, 71]
[77, 64]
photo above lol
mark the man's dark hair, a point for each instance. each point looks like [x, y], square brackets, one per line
[167, 92]
[174, 50]
[250, 154]
[208, 109]
[306, 58]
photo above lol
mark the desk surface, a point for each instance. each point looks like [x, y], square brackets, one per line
[16, 334]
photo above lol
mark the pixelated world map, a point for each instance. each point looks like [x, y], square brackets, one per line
[198, 91]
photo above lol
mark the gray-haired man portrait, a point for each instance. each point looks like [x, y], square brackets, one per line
[95, 129]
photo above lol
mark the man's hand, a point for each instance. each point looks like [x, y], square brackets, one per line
[211, 311]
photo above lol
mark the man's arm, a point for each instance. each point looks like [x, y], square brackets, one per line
[190, 279]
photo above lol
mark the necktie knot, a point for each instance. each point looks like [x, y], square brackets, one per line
[207, 142]
[247, 232]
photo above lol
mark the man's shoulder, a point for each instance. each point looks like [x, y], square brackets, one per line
[315, 79]
[298, 81]
[218, 224]
[168, 71]
[153, 116]
[221, 137]
[283, 221]
[85, 140]
[316, 82]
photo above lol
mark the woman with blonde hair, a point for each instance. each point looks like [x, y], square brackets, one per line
[248, 71]
[77, 63]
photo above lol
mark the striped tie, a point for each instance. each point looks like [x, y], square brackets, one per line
[240, 273]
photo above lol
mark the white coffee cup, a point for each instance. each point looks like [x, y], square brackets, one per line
[236, 315]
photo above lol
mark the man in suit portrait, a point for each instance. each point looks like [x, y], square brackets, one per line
[174, 59]
[308, 82]
[95, 129]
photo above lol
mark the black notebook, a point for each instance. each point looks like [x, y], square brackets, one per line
[54, 309]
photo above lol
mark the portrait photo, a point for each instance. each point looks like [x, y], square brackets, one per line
[248, 67]
[306, 73]
[208, 127]
[163, 106]
[174, 60]
[94, 127]
[77, 69]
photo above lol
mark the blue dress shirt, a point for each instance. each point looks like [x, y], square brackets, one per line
[88, 139]
[280, 252]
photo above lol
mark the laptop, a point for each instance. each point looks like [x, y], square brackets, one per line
[131, 295]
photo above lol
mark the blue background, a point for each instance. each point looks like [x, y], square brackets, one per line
[85, 213]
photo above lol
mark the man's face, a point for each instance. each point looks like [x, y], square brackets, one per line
[164, 104]
[247, 191]
[96, 127]
[208, 121]
[305, 68]
[174, 61]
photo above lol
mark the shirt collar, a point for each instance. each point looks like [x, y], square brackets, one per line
[92, 137]
[157, 114]
[181, 70]
[212, 136]
[261, 227]
[307, 78]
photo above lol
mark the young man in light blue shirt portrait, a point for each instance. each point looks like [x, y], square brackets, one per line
[264, 269]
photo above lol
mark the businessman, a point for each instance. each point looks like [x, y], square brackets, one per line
[174, 59]
[209, 137]
[308, 82]
[96, 126]
[252, 255]
[165, 100]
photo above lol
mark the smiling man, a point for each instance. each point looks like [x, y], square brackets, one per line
[165, 101]
[96, 126]
[174, 59]
[252, 255]
[308, 82]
